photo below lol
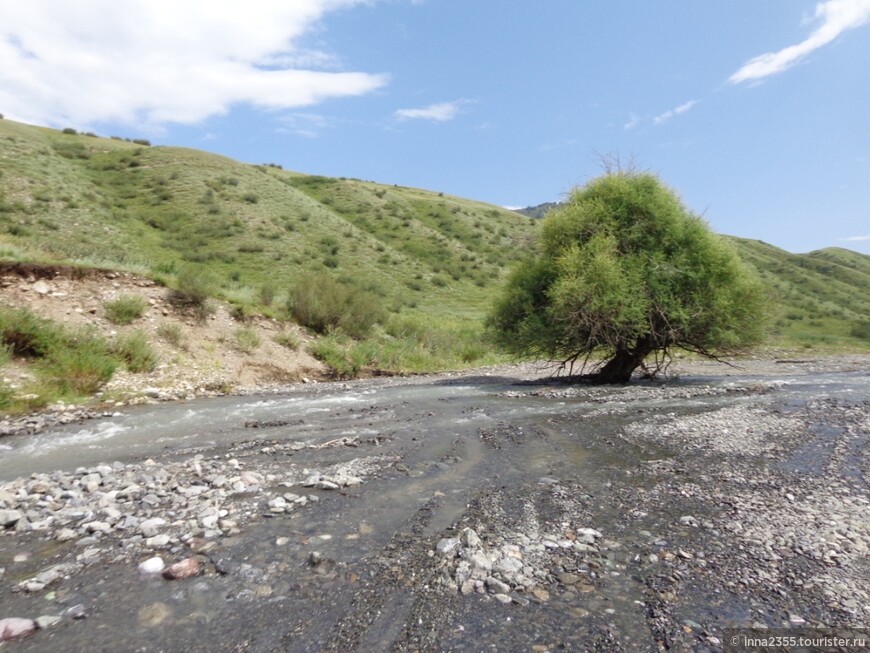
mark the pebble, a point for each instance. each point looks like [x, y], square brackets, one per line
[447, 545]
[186, 568]
[153, 565]
[47, 621]
[158, 541]
[76, 612]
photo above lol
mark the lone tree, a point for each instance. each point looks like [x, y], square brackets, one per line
[624, 272]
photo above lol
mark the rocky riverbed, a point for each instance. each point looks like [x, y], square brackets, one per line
[493, 512]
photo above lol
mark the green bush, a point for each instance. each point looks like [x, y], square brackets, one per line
[861, 330]
[288, 339]
[136, 352]
[267, 294]
[80, 369]
[624, 271]
[7, 397]
[345, 360]
[125, 309]
[247, 339]
[320, 302]
[27, 335]
[193, 287]
[5, 353]
[171, 333]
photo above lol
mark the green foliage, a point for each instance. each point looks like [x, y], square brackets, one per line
[266, 294]
[70, 363]
[82, 367]
[7, 394]
[135, 351]
[339, 353]
[25, 334]
[288, 339]
[861, 330]
[247, 339]
[623, 269]
[322, 303]
[125, 309]
[193, 287]
[171, 333]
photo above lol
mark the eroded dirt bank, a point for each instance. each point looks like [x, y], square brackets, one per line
[453, 514]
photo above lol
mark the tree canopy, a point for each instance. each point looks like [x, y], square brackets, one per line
[623, 272]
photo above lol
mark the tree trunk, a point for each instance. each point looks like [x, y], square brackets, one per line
[625, 361]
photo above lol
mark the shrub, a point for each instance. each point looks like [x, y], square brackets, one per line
[7, 395]
[125, 309]
[69, 130]
[267, 294]
[247, 339]
[25, 334]
[136, 352]
[861, 330]
[5, 353]
[80, 369]
[193, 288]
[320, 302]
[171, 333]
[250, 198]
[288, 339]
[345, 360]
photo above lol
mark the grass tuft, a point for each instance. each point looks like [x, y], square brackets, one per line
[136, 352]
[247, 340]
[125, 309]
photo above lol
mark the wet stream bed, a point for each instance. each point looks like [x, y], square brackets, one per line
[461, 514]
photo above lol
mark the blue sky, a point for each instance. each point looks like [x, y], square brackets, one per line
[757, 113]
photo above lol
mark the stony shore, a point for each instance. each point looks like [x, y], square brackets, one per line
[722, 505]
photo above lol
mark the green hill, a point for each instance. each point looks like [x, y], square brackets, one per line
[110, 202]
[435, 260]
[822, 297]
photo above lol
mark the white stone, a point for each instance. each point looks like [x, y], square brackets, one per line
[153, 565]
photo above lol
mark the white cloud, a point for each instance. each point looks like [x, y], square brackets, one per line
[441, 112]
[667, 115]
[837, 16]
[856, 238]
[160, 61]
[633, 121]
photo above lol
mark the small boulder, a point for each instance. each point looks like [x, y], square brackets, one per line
[187, 568]
[15, 628]
[153, 565]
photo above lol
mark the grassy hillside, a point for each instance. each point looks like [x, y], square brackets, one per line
[822, 298]
[110, 202]
[434, 260]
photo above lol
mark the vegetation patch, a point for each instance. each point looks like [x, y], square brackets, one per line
[288, 339]
[193, 287]
[323, 304]
[125, 309]
[247, 340]
[136, 352]
[70, 364]
[172, 333]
